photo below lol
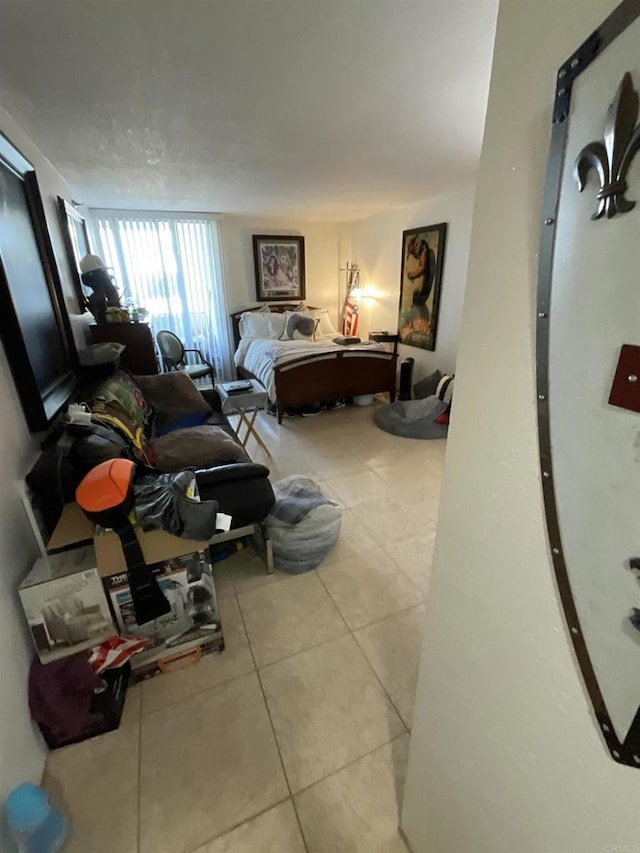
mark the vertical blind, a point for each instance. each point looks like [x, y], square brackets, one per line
[170, 264]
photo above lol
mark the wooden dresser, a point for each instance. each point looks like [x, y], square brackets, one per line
[139, 357]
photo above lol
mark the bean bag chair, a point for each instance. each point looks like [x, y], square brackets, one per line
[413, 418]
[304, 524]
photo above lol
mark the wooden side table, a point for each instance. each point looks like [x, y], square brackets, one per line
[386, 338]
[247, 404]
[139, 355]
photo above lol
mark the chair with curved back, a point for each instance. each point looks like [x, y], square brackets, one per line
[173, 354]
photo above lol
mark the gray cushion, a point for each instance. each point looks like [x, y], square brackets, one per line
[197, 447]
[427, 387]
[299, 326]
[413, 418]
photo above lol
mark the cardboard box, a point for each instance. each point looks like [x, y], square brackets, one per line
[65, 604]
[74, 529]
[190, 629]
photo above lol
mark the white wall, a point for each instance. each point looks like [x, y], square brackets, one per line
[22, 751]
[321, 241]
[376, 245]
[505, 755]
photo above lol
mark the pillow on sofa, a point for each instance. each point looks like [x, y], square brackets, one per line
[120, 389]
[175, 400]
[197, 447]
[427, 387]
[118, 402]
[324, 327]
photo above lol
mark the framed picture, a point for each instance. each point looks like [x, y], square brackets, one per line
[420, 285]
[279, 263]
[34, 325]
[76, 239]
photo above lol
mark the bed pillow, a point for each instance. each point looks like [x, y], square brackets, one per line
[298, 327]
[325, 329]
[444, 391]
[121, 390]
[261, 324]
[175, 400]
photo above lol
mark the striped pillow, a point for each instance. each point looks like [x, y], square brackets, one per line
[444, 389]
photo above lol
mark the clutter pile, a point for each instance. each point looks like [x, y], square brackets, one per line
[125, 591]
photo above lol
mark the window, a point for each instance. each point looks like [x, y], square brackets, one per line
[170, 264]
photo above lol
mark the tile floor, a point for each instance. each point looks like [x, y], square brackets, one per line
[295, 739]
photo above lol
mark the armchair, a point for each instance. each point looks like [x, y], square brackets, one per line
[173, 354]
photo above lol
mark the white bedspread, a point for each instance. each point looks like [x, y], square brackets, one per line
[260, 355]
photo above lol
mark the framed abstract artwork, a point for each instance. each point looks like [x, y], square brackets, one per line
[279, 266]
[420, 285]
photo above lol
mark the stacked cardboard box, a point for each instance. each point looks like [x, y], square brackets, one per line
[192, 627]
[65, 604]
[183, 570]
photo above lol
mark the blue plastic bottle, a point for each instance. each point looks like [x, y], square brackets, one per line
[34, 824]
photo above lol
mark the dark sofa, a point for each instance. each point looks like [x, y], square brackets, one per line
[241, 488]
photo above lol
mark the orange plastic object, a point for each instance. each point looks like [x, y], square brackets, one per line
[106, 486]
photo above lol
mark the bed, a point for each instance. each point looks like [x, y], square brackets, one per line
[298, 373]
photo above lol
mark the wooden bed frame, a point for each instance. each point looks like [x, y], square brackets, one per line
[326, 376]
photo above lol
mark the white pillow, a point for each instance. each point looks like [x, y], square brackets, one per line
[325, 326]
[261, 324]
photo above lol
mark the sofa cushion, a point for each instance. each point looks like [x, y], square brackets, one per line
[176, 402]
[196, 447]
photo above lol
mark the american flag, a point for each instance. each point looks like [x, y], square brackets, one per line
[350, 321]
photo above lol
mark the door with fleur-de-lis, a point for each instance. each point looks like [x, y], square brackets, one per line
[588, 385]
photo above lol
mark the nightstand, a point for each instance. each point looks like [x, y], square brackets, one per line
[386, 338]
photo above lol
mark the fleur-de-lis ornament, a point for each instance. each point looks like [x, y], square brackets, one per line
[611, 159]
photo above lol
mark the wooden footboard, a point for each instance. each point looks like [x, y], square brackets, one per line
[330, 376]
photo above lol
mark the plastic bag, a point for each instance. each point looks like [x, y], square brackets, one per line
[171, 502]
[304, 524]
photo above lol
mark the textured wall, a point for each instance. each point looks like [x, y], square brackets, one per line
[321, 242]
[377, 247]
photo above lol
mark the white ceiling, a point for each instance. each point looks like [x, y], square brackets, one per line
[309, 108]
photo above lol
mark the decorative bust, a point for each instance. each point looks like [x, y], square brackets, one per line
[96, 276]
